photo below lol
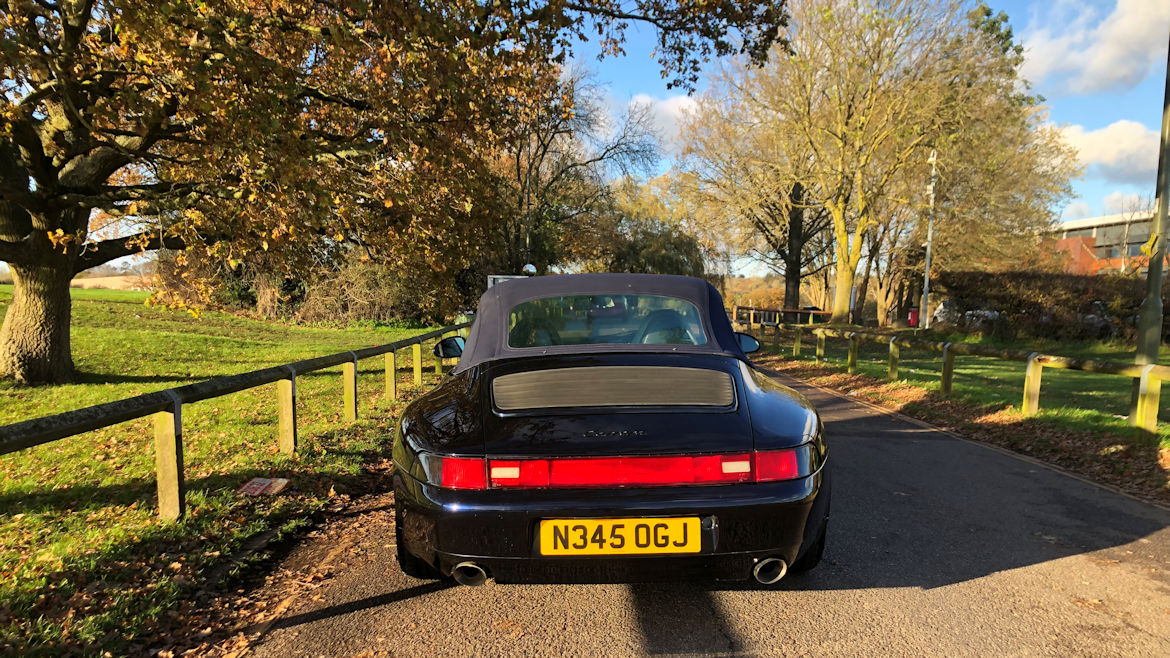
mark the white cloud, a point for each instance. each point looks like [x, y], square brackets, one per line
[1120, 202]
[666, 116]
[1076, 210]
[1067, 45]
[1122, 152]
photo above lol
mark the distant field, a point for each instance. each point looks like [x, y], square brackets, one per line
[83, 560]
[131, 282]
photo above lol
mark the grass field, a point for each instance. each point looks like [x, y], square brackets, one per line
[1082, 423]
[1069, 397]
[84, 563]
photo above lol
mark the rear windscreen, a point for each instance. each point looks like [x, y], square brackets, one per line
[605, 320]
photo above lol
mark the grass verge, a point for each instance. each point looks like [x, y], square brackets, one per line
[1081, 426]
[85, 565]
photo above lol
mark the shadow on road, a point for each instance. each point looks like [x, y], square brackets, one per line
[679, 619]
[913, 507]
[363, 604]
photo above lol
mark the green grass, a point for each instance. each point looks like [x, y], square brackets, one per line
[84, 562]
[1068, 398]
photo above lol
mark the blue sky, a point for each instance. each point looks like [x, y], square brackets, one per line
[1101, 65]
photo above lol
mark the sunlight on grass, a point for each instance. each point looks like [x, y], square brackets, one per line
[1082, 423]
[84, 561]
[1069, 399]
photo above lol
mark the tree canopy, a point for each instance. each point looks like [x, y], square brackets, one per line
[236, 126]
[849, 111]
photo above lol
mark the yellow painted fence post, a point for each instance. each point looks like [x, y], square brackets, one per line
[168, 462]
[895, 354]
[417, 352]
[853, 341]
[286, 399]
[796, 341]
[1032, 375]
[349, 388]
[820, 346]
[948, 372]
[392, 375]
[1149, 392]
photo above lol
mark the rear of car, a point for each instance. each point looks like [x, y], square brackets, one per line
[675, 487]
[614, 436]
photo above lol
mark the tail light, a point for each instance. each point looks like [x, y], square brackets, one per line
[464, 473]
[640, 471]
[775, 465]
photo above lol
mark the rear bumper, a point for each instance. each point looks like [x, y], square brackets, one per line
[498, 529]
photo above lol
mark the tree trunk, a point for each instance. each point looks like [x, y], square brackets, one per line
[34, 340]
[794, 248]
[843, 293]
[899, 306]
[847, 254]
[791, 289]
[886, 288]
[792, 277]
[863, 291]
[883, 307]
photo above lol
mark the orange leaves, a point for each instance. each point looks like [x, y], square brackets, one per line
[61, 240]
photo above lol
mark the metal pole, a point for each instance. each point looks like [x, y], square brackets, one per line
[924, 313]
[1149, 335]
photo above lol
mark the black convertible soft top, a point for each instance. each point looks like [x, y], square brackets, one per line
[488, 339]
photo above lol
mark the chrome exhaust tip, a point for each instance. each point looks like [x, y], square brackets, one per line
[769, 570]
[469, 573]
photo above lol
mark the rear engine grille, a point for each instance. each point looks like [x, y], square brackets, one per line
[613, 386]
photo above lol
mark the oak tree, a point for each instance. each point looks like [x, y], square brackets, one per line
[240, 125]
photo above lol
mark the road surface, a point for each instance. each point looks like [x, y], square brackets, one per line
[937, 546]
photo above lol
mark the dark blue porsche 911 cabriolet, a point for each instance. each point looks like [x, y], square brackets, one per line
[608, 428]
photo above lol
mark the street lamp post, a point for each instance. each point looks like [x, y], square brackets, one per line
[924, 314]
[1149, 333]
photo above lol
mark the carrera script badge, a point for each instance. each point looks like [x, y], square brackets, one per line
[591, 434]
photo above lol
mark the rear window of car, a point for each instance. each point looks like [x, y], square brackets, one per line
[605, 320]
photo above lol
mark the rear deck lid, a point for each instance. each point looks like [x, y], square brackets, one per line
[615, 405]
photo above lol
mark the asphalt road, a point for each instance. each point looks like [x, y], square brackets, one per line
[936, 546]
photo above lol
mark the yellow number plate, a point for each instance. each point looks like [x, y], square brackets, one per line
[619, 536]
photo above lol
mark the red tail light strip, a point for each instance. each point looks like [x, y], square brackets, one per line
[644, 471]
[464, 473]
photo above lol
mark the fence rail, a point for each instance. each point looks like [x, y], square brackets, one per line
[167, 408]
[752, 315]
[1149, 378]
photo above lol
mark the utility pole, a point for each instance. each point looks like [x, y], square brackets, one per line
[924, 313]
[1149, 333]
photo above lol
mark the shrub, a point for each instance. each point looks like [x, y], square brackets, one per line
[1045, 304]
[377, 293]
[764, 298]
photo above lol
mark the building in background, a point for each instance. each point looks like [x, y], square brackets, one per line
[1111, 243]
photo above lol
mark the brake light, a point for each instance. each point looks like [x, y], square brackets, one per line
[464, 473]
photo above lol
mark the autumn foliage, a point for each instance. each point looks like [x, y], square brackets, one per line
[237, 126]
